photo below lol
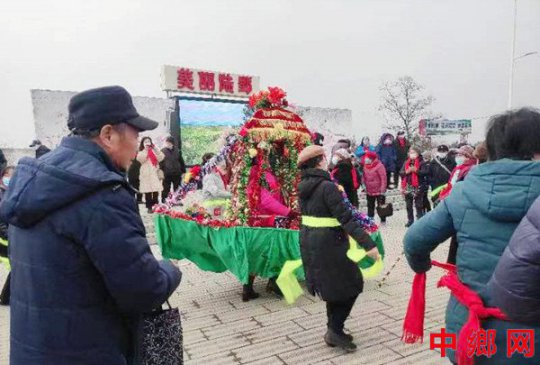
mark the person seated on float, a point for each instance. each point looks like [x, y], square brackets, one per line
[271, 206]
[215, 188]
[194, 173]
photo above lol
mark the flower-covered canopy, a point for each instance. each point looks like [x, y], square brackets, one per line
[269, 141]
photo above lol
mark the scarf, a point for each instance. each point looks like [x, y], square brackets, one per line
[458, 174]
[152, 157]
[413, 326]
[223, 177]
[414, 176]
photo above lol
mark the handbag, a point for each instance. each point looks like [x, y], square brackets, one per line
[159, 338]
[386, 210]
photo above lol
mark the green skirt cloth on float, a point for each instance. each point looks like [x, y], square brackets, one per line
[243, 250]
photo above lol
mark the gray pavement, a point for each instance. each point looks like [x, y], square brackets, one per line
[220, 329]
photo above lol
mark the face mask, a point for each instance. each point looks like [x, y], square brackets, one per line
[413, 156]
[365, 142]
[387, 141]
[335, 160]
[400, 137]
[460, 160]
[5, 181]
[441, 154]
[368, 161]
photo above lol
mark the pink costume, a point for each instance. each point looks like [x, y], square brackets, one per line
[271, 202]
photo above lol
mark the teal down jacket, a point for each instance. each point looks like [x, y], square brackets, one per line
[483, 210]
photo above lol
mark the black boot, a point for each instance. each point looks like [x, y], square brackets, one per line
[247, 290]
[272, 287]
[343, 341]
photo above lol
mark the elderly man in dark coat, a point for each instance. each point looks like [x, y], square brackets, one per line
[82, 269]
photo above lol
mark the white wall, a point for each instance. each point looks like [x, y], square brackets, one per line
[333, 124]
[50, 117]
[13, 155]
[50, 110]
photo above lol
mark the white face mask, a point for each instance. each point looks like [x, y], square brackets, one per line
[368, 161]
[442, 154]
[335, 160]
[460, 160]
[387, 141]
[413, 156]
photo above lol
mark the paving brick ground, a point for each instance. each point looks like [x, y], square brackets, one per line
[220, 329]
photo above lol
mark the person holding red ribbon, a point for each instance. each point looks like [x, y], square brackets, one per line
[149, 179]
[483, 211]
[411, 176]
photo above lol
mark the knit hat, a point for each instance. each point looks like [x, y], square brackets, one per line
[466, 151]
[308, 153]
[343, 154]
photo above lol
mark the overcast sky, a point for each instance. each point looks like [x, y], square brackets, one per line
[333, 53]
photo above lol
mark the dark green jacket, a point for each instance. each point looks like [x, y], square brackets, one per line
[483, 211]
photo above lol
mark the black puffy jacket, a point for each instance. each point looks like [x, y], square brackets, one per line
[173, 163]
[343, 173]
[41, 151]
[329, 272]
[437, 174]
[515, 284]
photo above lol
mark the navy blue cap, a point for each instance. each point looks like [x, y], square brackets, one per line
[92, 109]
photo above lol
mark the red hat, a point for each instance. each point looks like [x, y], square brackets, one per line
[371, 155]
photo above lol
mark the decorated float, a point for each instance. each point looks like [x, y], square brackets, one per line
[256, 230]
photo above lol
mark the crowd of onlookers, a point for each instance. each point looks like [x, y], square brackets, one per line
[424, 177]
[492, 217]
[484, 198]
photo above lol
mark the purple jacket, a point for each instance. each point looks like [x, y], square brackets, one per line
[515, 284]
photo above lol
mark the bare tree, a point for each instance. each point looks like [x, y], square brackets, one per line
[403, 105]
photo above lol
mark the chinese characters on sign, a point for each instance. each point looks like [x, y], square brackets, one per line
[183, 79]
[482, 342]
[431, 127]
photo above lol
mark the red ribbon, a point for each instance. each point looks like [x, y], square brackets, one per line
[413, 326]
[152, 157]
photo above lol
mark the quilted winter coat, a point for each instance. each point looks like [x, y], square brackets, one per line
[329, 272]
[515, 285]
[82, 269]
